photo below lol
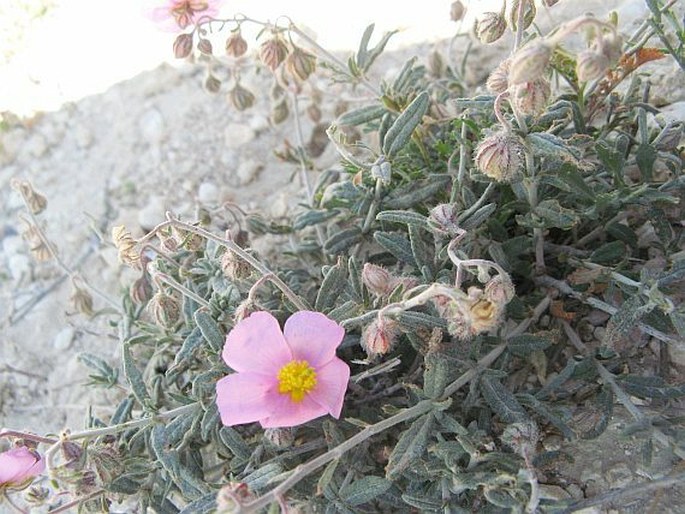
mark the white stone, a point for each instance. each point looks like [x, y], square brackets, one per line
[248, 171]
[153, 213]
[19, 266]
[63, 339]
[237, 135]
[151, 126]
[208, 193]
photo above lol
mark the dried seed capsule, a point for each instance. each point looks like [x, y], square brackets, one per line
[529, 13]
[183, 46]
[236, 46]
[490, 27]
[300, 63]
[165, 309]
[501, 156]
[205, 46]
[443, 220]
[273, 52]
[241, 98]
[377, 280]
[127, 246]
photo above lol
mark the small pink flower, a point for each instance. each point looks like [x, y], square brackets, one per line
[284, 378]
[175, 15]
[19, 465]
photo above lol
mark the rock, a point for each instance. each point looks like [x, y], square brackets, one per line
[83, 136]
[19, 266]
[151, 126]
[208, 193]
[36, 146]
[152, 214]
[248, 171]
[63, 339]
[596, 317]
[237, 135]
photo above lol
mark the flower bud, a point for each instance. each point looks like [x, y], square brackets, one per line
[376, 279]
[498, 80]
[273, 52]
[490, 27]
[165, 309]
[141, 290]
[382, 172]
[529, 13]
[205, 46]
[530, 62]
[531, 97]
[501, 156]
[457, 11]
[183, 46]
[127, 246]
[591, 65]
[300, 63]
[236, 46]
[442, 220]
[379, 337]
[241, 98]
[212, 84]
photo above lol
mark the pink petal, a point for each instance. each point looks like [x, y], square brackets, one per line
[287, 413]
[257, 345]
[331, 385]
[243, 398]
[19, 464]
[313, 337]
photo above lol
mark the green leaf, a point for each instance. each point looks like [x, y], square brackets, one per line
[423, 255]
[405, 217]
[479, 217]
[547, 413]
[210, 330]
[645, 158]
[623, 321]
[651, 387]
[106, 373]
[414, 320]
[134, 377]
[410, 447]
[210, 421]
[609, 253]
[333, 285]
[417, 191]
[622, 233]
[501, 401]
[436, 374]
[364, 490]
[235, 443]
[261, 477]
[400, 131]
[341, 241]
[524, 345]
[554, 215]
[571, 176]
[397, 244]
[554, 148]
[362, 115]
[603, 408]
[326, 477]
[313, 217]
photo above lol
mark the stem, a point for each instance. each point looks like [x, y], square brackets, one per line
[519, 25]
[77, 501]
[26, 435]
[12, 504]
[166, 279]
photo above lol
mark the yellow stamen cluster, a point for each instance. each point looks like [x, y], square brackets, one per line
[296, 378]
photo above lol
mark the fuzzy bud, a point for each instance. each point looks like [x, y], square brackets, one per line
[531, 97]
[236, 46]
[442, 220]
[183, 46]
[35, 202]
[243, 310]
[377, 280]
[273, 52]
[127, 246]
[379, 337]
[530, 62]
[241, 98]
[457, 11]
[591, 65]
[490, 27]
[529, 13]
[205, 46]
[498, 80]
[501, 156]
[300, 63]
[165, 309]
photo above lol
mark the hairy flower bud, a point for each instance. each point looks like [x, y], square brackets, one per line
[379, 337]
[236, 46]
[457, 10]
[442, 220]
[377, 280]
[490, 27]
[127, 246]
[530, 62]
[501, 156]
[531, 97]
[498, 80]
[241, 98]
[529, 12]
[591, 65]
[273, 52]
[165, 309]
[300, 63]
[183, 46]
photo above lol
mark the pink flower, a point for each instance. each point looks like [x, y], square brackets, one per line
[19, 465]
[175, 15]
[284, 378]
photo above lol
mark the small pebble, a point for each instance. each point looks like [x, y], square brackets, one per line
[248, 171]
[63, 339]
[237, 135]
[208, 193]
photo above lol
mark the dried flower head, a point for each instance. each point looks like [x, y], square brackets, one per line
[282, 378]
[127, 246]
[501, 156]
[164, 309]
[236, 46]
[300, 63]
[240, 97]
[34, 201]
[457, 10]
[530, 62]
[531, 97]
[498, 80]
[273, 52]
[379, 337]
[490, 27]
